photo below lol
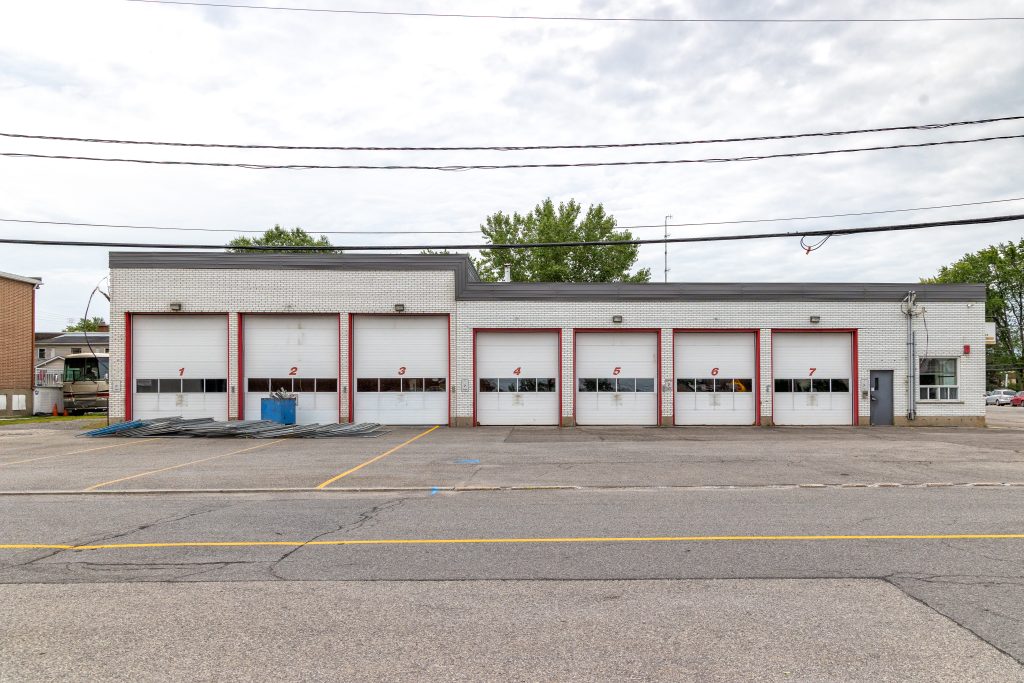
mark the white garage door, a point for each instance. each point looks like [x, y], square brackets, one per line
[179, 366]
[616, 378]
[517, 378]
[296, 353]
[812, 374]
[716, 378]
[400, 368]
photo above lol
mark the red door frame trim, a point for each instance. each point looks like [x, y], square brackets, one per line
[521, 330]
[627, 330]
[351, 356]
[128, 384]
[128, 319]
[241, 351]
[757, 363]
[854, 360]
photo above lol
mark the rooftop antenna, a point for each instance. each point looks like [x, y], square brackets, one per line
[666, 247]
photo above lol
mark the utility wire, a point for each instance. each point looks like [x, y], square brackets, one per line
[656, 20]
[512, 148]
[474, 232]
[533, 245]
[491, 167]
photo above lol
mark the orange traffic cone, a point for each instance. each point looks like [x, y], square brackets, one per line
[55, 410]
[65, 412]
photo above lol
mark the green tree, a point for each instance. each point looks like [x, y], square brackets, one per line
[1001, 267]
[279, 237]
[548, 223]
[87, 325]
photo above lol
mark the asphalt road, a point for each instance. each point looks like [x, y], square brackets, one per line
[516, 554]
[578, 606]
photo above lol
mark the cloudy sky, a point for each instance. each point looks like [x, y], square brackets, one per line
[116, 69]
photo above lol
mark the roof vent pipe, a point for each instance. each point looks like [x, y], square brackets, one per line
[508, 274]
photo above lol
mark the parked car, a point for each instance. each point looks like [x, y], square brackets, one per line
[1018, 400]
[1000, 397]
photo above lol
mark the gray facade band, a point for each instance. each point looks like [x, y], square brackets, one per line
[468, 286]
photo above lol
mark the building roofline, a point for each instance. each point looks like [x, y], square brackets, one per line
[468, 286]
[21, 278]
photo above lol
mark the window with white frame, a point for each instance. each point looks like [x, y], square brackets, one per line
[42, 354]
[937, 380]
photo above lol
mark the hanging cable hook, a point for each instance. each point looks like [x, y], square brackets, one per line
[808, 248]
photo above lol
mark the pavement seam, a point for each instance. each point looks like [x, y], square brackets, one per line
[486, 489]
[947, 617]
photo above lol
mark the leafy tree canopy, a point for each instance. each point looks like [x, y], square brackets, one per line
[279, 237]
[564, 223]
[1001, 267]
[87, 325]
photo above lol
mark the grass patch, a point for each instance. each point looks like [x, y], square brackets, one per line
[50, 418]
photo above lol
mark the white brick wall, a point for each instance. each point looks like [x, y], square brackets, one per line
[881, 325]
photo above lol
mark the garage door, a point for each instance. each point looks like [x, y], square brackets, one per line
[616, 378]
[517, 378]
[812, 374]
[296, 353]
[179, 366]
[400, 369]
[716, 378]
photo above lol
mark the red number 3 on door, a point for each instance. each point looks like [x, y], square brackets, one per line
[401, 370]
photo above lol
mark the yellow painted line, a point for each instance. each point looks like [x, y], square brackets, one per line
[478, 541]
[373, 460]
[133, 442]
[184, 464]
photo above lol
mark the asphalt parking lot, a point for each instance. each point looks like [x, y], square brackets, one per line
[58, 460]
[519, 554]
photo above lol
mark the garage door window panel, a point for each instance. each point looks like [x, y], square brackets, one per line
[281, 384]
[627, 384]
[686, 386]
[645, 385]
[546, 385]
[327, 385]
[170, 386]
[304, 384]
[939, 379]
[840, 386]
[587, 385]
[527, 384]
[146, 386]
[508, 385]
[192, 386]
[434, 384]
[367, 385]
[390, 384]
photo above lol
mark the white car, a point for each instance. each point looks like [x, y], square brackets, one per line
[999, 397]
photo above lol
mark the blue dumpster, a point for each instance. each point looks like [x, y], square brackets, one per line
[278, 409]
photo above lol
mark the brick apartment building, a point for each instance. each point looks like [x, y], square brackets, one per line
[17, 339]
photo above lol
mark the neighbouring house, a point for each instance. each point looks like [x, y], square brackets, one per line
[51, 348]
[17, 339]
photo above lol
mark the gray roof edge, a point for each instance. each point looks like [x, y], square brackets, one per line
[275, 261]
[715, 291]
[21, 278]
[468, 286]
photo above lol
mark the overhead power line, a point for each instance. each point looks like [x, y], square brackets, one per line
[653, 20]
[533, 245]
[473, 232]
[510, 148]
[492, 167]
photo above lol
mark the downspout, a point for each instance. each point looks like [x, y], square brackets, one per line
[911, 300]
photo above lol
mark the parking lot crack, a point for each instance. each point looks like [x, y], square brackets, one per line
[363, 519]
[122, 534]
